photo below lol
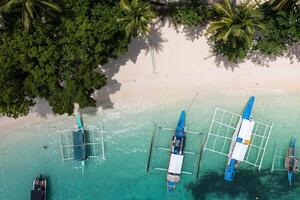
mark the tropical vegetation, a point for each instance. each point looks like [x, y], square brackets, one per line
[233, 32]
[57, 58]
[59, 62]
[137, 17]
[190, 13]
[282, 29]
[30, 9]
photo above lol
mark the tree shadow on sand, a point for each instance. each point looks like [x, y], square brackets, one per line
[41, 108]
[222, 61]
[293, 53]
[261, 59]
[248, 184]
[135, 47]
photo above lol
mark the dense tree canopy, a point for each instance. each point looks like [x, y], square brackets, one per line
[282, 29]
[31, 9]
[137, 17]
[232, 33]
[59, 61]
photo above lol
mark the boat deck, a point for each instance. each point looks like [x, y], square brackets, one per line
[159, 152]
[280, 152]
[73, 147]
[223, 132]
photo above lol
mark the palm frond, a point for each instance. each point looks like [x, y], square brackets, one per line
[221, 9]
[28, 8]
[51, 5]
[5, 6]
[125, 5]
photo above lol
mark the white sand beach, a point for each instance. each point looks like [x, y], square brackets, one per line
[180, 68]
[184, 67]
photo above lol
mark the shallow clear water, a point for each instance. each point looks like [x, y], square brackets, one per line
[128, 134]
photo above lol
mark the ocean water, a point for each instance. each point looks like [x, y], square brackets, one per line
[128, 134]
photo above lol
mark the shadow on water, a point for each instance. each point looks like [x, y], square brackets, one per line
[247, 183]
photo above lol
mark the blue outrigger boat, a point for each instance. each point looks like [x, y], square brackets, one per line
[240, 141]
[291, 162]
[79, 142]
[176, 157]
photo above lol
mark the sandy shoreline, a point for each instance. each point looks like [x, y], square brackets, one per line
[182, 68]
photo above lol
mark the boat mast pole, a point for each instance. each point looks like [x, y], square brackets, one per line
[188, 108]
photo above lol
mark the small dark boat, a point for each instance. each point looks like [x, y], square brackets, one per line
[291, 162]
[39, 186]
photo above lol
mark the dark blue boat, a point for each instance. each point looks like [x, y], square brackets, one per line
[78, 141]
[291, 162]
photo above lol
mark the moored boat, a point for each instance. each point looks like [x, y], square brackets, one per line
[291, 162]
[240, 141]
[176, 157]
[39, 187]
[79, 142]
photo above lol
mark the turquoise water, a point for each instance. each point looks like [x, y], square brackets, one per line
[128, 134]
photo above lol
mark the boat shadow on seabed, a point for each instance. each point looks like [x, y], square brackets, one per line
[249, 184]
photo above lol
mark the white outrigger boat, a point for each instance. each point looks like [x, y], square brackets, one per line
[177, 154]
[240, 141]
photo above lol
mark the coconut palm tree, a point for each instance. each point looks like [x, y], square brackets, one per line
[280, 4]
[138, 16]
[31, 9]
[236, 25]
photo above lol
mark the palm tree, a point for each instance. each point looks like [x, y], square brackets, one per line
[236, 25]
[138, 16]
[280, 4]
[31, 9]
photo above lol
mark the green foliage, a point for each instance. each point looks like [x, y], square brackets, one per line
[282, 4]
[60, 62]
[31, 9]
[232, 33]
[190, 14]
[282, 29]
[137, 17]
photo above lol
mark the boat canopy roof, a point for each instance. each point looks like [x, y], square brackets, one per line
[36, 195]
[175, 163]
[79, 146]
[245, 131]
[243, 140]
[180, 125]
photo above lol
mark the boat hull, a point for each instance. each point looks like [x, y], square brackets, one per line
[39, 188]
[240, 140]
[291, 162]
[176, 154]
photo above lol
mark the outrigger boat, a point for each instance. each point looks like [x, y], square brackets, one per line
[79, 142]
[240, 141]
[291, 162]
[39, 186]
[177, 154]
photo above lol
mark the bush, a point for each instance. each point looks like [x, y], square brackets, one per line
[188, 13]
[59, 62]
[282, 29]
